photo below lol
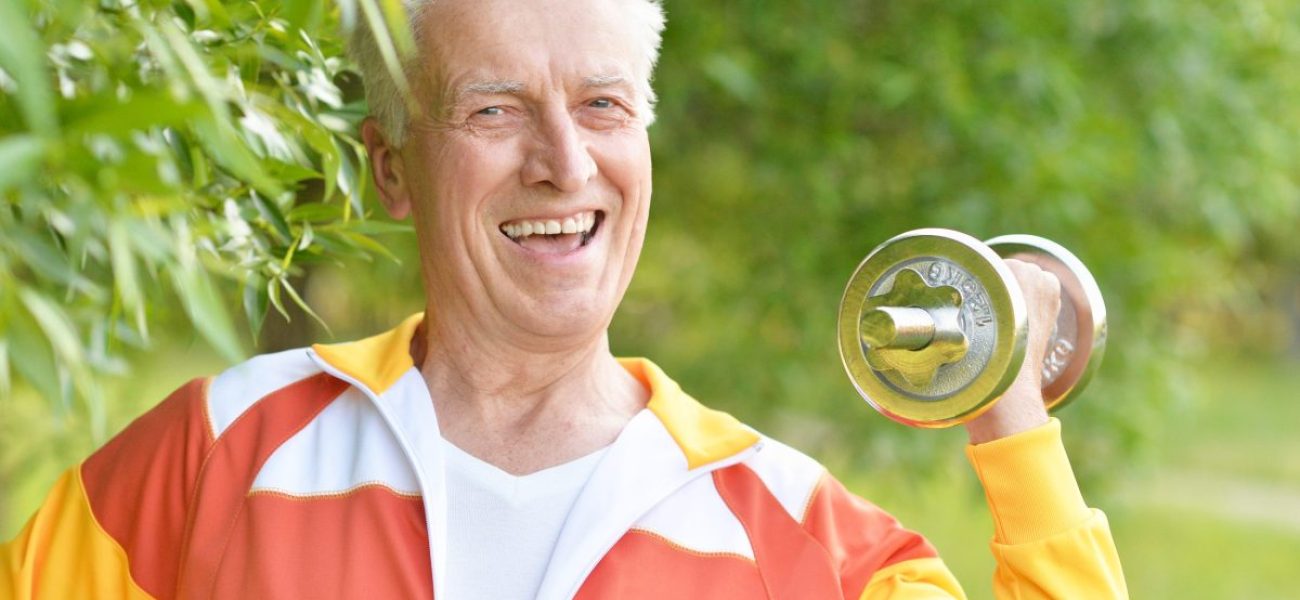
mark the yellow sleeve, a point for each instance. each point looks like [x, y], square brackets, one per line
[917, 579]
[64, 553]
[1047, 542]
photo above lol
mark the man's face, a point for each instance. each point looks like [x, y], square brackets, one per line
[534, 122]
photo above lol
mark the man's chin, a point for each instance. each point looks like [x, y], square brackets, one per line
[562, 315]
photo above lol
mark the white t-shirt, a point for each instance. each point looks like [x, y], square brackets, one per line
[502, 528]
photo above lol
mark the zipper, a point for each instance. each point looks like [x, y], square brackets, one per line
[411, 457]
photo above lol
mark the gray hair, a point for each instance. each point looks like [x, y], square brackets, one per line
[384, 97]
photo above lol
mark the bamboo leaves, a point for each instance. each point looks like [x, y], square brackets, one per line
[161, 159]
[21, 57]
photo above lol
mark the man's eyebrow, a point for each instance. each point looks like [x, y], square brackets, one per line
[488, 88]
[511, 86]
[603, 81]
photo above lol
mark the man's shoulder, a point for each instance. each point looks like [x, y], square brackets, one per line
[777, 461]
[199, 410]
[233, 391]
[843, 522]
[278, 366]
[710, 436]
[806, 489]
[789, 475]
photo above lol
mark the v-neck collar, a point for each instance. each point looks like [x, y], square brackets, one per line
[522, 489]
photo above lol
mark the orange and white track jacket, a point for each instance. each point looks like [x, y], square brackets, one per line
[317, 473]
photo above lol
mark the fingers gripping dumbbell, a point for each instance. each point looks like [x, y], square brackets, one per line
[932, 326]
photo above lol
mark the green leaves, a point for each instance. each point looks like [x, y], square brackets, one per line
[387, 21]
[21, 156]
[54, 324]
[160, 165]
[303, 14]
[125, 277]
[1160, 141]
[207, 311]
[21, 56]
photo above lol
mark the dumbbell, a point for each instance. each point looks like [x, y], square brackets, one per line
[932, 326]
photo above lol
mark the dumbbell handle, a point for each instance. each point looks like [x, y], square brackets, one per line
[897, 327]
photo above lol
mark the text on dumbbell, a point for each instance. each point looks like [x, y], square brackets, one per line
[941, 273]
[1058, 357]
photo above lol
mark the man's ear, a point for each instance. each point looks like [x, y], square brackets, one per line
[386, 165]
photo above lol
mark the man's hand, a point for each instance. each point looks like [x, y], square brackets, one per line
[1021, 407]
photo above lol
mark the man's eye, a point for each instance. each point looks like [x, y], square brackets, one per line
[492, 111]
[601, 103]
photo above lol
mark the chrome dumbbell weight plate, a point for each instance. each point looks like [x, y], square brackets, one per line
[1079, 339]
[932, 327]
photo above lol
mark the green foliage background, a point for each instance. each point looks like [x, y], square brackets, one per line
[1157, 140]
[176, 171]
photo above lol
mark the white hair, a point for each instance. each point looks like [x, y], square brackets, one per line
[384, 97]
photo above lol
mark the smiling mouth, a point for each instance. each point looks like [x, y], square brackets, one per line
[555, 235]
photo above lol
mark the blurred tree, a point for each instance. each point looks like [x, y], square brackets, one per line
[1158, 140]
[200, 147]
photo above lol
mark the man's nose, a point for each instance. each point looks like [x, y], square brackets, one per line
[560, 157]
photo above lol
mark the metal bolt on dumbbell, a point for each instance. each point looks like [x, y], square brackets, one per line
[932, 326]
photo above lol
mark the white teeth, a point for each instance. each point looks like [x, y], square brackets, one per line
[580, 223]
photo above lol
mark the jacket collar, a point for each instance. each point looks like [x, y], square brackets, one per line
[703, 435]
[638, 471]
[377, 361]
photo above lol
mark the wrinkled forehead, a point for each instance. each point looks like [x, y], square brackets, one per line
[535, 42]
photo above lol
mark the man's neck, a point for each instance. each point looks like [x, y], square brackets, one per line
[521, 410]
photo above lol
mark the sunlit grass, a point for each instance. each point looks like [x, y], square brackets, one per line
[1178, 554]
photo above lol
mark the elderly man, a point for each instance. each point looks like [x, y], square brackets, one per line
[493, 447]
